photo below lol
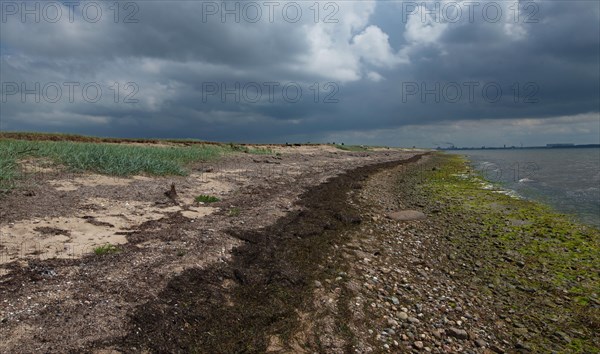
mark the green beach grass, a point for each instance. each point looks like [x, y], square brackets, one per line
[104, 158]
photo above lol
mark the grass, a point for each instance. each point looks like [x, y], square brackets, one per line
[109, 156]
[93, 139]
[8, 169]
[105, 249]
[234, 212]
[103, 158]
[260, 151]
[206, 199]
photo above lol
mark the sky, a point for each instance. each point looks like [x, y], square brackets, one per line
[396, 73]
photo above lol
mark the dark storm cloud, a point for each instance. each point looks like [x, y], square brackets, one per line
[356, 75]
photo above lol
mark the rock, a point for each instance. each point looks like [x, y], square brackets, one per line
[418, 344]
[392, 322]
[413, 320]
[403, 316]
[518, 324]
[395, 300]
[480, 343]
[521, 331]
[523, 346]
[457, 333]
[438, 333]
[318, 284]
[497, 349]
[563, 336]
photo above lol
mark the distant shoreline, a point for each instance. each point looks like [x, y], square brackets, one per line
[582, 146]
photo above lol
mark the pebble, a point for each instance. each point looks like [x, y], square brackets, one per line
[457, 333]
[563, 336]
[413, 320]
[403, 316]
[418, 344]
[521, 331]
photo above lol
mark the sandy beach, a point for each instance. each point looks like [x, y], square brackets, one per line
[309, 249]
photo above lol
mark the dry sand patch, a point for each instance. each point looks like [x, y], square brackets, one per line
[92, 180]
[104, 221]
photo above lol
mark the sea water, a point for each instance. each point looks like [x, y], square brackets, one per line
[566, 179]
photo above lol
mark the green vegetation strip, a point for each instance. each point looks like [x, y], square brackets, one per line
[8, 169]
[352, 147]
[541, 264]
[105, 249]
[111, 159]
[206, 199]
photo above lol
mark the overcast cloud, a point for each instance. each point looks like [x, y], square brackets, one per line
[471, 73]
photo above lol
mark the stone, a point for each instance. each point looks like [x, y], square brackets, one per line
[563, 336]
[438, 333]
[497, 349]
[418, 344]
[403, 316]
[523, 346]
[521, 331]
[457, 333]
